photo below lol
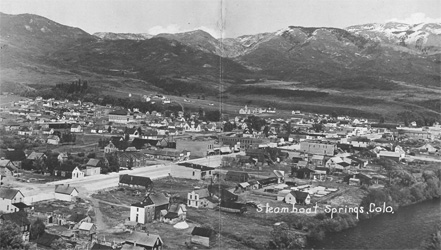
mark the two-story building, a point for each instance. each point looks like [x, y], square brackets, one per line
[9, 197]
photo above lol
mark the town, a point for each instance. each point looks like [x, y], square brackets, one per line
[83, 175]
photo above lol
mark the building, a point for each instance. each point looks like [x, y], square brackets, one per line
[65, 192]
[93, 166]
[198, 148]
[318, 148]
[201, 236]
[21, 219]
[68, 171]
[9, 197]
[149, 209]
[120, 116]
[243, 142]
[235, 176]
[192, 171]
[199, 198]
[87, 229]
[143, 241]
[298, 197]
[135, 181]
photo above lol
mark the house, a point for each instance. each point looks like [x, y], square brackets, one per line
[303, 173]
[87, 228]
[143, 241]
[176, 213]
[65, 192]
[149, 209]
[36, 156]
[201, 199]
[53, 140]
[24, 130]
[232, 207]
[62, 157]
[318, 160]
[21, 219]
[192, 171]
[110, 148]
[76, 128]
[93, 166]
[132, 180]
[98, 246]
[298, 197]
[358, 179]
[48, 131]
[318, 147]
[8, 169]
[75, 219]
[395, 156]
[202, 236]
[68, 171]
[9, 197]
[46, 240]
[237, 176]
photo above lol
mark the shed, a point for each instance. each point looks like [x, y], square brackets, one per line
[201, 236]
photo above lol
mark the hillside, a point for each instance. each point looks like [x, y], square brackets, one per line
[312, 68]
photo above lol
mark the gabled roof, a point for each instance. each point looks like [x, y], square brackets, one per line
[135, 180]
[20, 205]
[93, 162]
[64, 189]
[8, 193]
[158, 199]
[202, 193]
[98, 246]
[144, 239]
[299, 194]
[65, 167]
[201, 231]
[87, 226]
[35, 155]
[15, 155]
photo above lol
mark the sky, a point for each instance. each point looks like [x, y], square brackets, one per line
[226, 18]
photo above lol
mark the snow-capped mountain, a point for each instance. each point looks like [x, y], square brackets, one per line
[122, 36]
[423, 37]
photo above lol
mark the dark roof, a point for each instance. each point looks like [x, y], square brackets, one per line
[64, 189]
[65, 167]
[119, 112]
[268, 180]
[196, 166]
[46, 239]
[236, 173]
[8, 193]
[171, 215]
[232, 205]
[99, 246]
[201, 231]
[20, 218]
[20, 205]
[135, 180]
[299, 194]
[93, 162]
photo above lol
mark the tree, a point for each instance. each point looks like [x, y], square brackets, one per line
[39, 165]
[37, 229]
[318, 127]
[58, 244]
[283, 238]
[10, 236]
[213, 116]
[228, 127]
[130, 164]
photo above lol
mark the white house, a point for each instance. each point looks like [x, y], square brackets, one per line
[65, 192]
[53, 140]
[76, 128]
[9, 196]
[298, 197]
[195, 197]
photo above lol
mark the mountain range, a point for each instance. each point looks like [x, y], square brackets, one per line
[386, 56]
